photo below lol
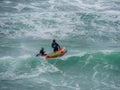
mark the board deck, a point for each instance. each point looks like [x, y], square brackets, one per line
[58, 53]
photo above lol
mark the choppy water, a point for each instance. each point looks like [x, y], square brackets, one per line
[89, 29]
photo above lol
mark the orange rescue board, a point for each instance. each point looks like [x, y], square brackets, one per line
[58, 53]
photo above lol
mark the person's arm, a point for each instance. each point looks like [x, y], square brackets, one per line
[44, 52]
[58, 45]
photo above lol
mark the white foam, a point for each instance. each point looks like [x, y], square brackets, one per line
[55, 24]
[25, 56]
[6, 57]
[7, 2]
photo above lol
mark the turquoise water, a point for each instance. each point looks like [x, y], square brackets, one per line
[89, 29]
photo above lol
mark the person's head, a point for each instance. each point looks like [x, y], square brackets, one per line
[42, 48]
[54, 40]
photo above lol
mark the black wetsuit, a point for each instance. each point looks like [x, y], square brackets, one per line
[55, 46]
[41, 53]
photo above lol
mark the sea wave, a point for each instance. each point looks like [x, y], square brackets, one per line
[72, 64]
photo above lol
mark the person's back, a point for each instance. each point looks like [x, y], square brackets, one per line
[41, 53]
[55, 45]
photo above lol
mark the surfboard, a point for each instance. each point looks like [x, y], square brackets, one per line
[56, 54]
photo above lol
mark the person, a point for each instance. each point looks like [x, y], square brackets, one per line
[55, 45]
[41, 53]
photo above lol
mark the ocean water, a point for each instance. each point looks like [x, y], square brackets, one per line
[89, 29]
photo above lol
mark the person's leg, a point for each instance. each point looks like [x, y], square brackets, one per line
[54, 49]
